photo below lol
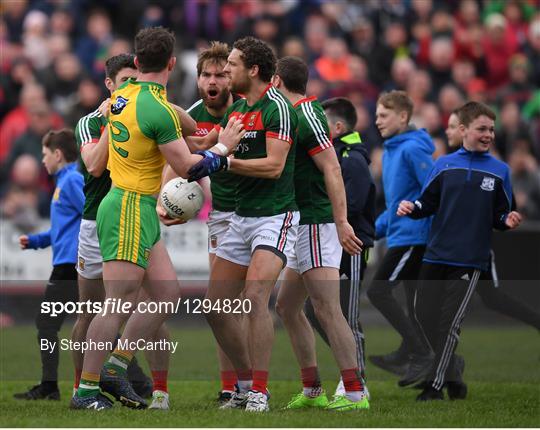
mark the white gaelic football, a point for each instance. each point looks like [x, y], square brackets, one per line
[182, 199]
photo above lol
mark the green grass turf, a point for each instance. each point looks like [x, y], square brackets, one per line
[502, 371]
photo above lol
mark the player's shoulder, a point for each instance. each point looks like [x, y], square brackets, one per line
[196, 107]
[89, 126]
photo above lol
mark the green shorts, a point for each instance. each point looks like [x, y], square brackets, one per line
[127, 226]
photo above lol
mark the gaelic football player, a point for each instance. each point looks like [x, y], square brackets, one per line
[323, 231]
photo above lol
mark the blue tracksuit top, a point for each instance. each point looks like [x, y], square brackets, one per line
[66, 211]
[407, 161]
[470, 194]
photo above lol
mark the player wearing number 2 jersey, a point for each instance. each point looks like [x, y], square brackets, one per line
[144, 131]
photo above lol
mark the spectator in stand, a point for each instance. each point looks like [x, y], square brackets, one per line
[429, 117]
[40, 122]
[526, 181]
[358, 86]
[394, 43]
[35, 39]
[62, 81]
[532, 51]
[477, 90]
[61, 23]
[17, 121]
[89, 97]
[441, 56]
[365, 125]
[23, 202]
[20, 74]
[462, 73]
[402, 70]
[519, 89]
[419, 88]
[448, 100]
[92, 47]
[13, 14]
[499, 45]
[316, 33]
[511, 128]
[333, 65]
[294, 47]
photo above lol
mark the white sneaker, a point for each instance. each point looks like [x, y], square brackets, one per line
[237, 401]
[160, 400]
[340, 390]
[257, 402]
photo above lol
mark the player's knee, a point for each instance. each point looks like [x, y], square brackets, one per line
[284, 312]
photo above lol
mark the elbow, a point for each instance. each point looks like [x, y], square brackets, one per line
[275, 172]
[96, 171]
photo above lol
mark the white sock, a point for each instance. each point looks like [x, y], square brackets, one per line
[354, 396]
[244, 386]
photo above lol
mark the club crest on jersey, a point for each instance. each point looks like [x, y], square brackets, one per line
[488, 184]
[81, 263]
[252, 118]
[213, 241]
[119, 105]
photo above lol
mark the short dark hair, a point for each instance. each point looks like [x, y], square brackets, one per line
[294, 73]
[217, 52]
[255, 52]
[154, 48]
[397, 101]
[342, 109]
[64, 140]
[472, 110]
[114, 64]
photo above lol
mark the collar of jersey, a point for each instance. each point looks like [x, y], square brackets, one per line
[305, 100]
[135, 82]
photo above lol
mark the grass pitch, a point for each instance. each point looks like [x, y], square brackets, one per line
[503, 373]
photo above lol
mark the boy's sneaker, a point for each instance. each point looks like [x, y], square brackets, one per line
[160, 400]
[38, 392]
[97, 402]
[429, 393]
[301, 401]
[237, 401]
[120, 388]
[342, 403]
[456, 390]
[257, 402]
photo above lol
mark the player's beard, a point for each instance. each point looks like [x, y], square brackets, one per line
[216, 103]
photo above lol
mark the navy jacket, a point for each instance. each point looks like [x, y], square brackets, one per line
[359, 185]
[66, 212]
[470, 194]
[407, 161]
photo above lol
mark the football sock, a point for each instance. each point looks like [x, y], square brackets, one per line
[311, 381]
[77, 378]
[89, 385]
[119, 362]
[228, 379]
[159, 379]
[353, 384]
[260, 381]
[245, 380]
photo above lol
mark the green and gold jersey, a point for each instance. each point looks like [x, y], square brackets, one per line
[222, 184]
[312, 138]
[88, 130]
[272, 116]
[140, 119]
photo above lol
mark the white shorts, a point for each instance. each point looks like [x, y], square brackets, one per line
[89, 261]
[317, 245]
[275, 233]
[218, 224]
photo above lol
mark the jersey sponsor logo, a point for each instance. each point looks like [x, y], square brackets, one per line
[488, 184]
[119, 105]
[250, 135]
[203, 128]
[242, 147]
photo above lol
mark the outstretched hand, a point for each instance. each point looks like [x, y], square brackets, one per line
[231, 135]
[210, 163]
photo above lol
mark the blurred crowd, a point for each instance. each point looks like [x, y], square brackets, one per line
[442, 52]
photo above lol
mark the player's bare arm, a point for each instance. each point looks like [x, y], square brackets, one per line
[328, 164]
[96, 155]
[178, 156]
[189, 125]
[229, 137]
[269, 167]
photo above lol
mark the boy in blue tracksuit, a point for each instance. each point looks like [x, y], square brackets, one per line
[59, 157]
[407, 161]
[470, 193]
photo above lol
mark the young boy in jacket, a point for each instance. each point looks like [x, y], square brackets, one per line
[59, 157]
[407, 161]
[469, 192]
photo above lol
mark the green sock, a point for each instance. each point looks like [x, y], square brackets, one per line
[118, 362]
[89, 385]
